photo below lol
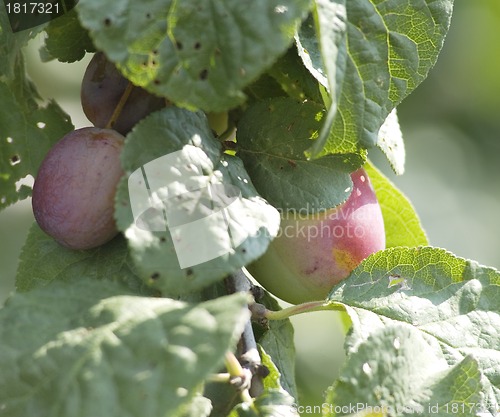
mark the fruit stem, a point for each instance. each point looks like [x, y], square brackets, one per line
[220, 377]
[308, 307]
[119, 106]
[233, 365]
[239, 377]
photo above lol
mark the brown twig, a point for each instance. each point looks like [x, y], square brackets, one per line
[247, 352]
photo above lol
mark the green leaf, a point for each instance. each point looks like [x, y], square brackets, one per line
[263, 88]
[273, 153]
[276, 339]
[199, 407]
[27, 132]
[272, 403]
[386, 58]
[90, 349]
[43, 260]
[397, 372]
[309, 50]
[66, 39]
[271, 381]
[198, 54]
[390, 141]
[453, 303]
[294, 78]
[190, 217]
[10, 46]
[329, 37]
[29, 128]
[402, 224]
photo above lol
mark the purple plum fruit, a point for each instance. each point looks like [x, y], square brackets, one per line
[73, 194]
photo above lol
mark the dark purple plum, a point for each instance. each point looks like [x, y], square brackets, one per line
[73, 194]
[101, 90]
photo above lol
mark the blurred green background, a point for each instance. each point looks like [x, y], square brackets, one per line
[452, 135]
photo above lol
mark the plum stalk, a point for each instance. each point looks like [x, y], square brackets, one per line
[119, 107]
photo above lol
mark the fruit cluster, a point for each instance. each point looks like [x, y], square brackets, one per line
[73, 194]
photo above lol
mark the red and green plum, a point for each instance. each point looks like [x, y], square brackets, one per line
[73, 194]
[101, 90]
[314, 252]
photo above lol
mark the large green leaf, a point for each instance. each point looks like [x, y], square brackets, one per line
[452, 305]
[43, 260]
[28, 127]
[402, 224]
[397, 372]
[273, 152]
[198, 54]
[190, 217]
[331, 31]
[89, 349]
[389, 47]
[320, 43]
[27, 131]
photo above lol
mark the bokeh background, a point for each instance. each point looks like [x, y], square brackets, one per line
[451, 125]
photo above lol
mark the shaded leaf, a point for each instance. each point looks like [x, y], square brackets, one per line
[27, 132]
[273, 153]
[29, 127]
[10, 46]
[89, 349]
[198, 60]
[43, 260]
[66, 39]
[278, 344]
[199, 407]
[330, 21]
[294, 78]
